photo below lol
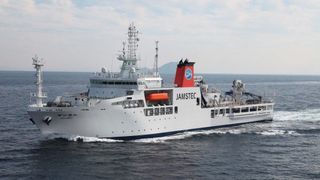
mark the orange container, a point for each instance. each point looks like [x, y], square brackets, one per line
[158, 97]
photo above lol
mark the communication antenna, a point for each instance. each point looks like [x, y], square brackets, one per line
[156, 57]
[124, 49]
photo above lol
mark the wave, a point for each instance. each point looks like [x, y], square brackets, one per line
[309, 131]
[311, 115]
[274, 132]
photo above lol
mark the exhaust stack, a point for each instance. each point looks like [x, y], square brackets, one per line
[184, 74]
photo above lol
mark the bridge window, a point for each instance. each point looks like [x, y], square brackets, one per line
[130, 103]
[214, 113]
[222, 112]
[156, 111]
[94, 81]
[245, 109]
[148, 112]
[235, 110]
[162, 111]
[262, 108]
[169, 110]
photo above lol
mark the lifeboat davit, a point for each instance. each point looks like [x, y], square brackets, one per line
[158, 97]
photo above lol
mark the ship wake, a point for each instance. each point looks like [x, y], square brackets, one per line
[309, 115]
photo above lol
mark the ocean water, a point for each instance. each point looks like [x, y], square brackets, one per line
[287, 148]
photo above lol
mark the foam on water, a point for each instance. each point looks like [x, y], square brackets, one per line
[91, 139]
[274, 132]
[305, 115]
[77, 138]
[245, 129]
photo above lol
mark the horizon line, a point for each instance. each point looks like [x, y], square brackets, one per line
[57, 71]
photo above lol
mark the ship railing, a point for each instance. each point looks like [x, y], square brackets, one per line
[248, 114]
[243, 110]
[107, 74]
[34, 95]
[267, 101]
[167, 85]
[44, 95]
[69, 95]
[148, 75]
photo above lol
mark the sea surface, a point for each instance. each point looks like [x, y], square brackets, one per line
[287, 148]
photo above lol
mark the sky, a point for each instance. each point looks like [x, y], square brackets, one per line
[221, 36]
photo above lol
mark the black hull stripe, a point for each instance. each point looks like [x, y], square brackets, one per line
[128, 138]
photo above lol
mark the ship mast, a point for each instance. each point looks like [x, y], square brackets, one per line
[39, 94]
[129, 59]
[132, 42]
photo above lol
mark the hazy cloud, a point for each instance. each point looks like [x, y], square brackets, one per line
[236, 36]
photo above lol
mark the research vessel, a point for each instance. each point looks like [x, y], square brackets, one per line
[131, 104]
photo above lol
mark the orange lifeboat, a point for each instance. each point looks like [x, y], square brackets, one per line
[158, 97]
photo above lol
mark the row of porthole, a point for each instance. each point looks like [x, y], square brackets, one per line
[144, 130]
[160, 119]
[132, 112]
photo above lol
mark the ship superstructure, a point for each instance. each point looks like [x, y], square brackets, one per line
[130, 104]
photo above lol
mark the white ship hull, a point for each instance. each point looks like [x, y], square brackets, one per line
[111, 121]
[132, 125]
